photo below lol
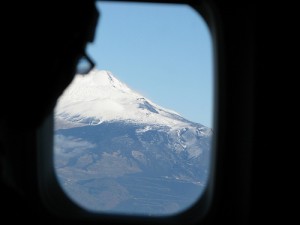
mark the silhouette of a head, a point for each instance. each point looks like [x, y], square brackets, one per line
[41, 45]
[45, 43]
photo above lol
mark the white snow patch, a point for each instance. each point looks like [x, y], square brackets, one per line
[102, 97]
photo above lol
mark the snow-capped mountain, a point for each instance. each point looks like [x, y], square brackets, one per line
[117, 151]
[100, 97]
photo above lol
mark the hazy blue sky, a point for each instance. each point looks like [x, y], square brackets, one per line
[163, 52]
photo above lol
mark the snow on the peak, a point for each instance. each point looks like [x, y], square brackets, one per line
[101, 97]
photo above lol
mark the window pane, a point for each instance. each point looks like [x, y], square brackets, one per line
[134, 135]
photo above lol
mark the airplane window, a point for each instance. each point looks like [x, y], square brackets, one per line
[134, 135]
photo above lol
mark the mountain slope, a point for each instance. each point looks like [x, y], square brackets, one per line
[117, 151]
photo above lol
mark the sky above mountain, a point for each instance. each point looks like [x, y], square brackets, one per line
[163, 52]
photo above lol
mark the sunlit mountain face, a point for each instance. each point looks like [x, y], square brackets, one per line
[118, 152]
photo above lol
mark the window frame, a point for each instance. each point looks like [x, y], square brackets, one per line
[59, 204]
